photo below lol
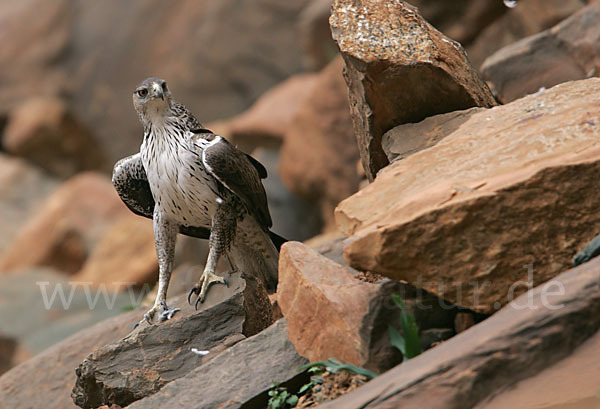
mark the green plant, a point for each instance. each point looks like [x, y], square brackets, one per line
[409, 343]
[280, 398]
[335, 365]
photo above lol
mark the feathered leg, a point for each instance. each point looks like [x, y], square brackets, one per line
[165, 236]
[222, 233]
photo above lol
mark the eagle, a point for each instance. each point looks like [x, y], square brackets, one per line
[191, 181]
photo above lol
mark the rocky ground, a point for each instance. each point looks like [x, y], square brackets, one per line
[444, 155]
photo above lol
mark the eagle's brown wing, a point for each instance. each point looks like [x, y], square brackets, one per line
[240, 174]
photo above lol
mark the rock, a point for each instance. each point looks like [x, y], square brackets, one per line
[505, 356]
[293, 217]
[118, 374]
[463, 321]
[331, 313]
[11, 353]
[460, 20]
[319, 154]
[529, 18]
[399, 69]
[568, 51]
[406, 139]
[52, 371]
[124, 254]
[433, 336]
[41, 307]
[218, 56]
[238, 378]
[67, 226]
[23, 189]
[45, 132]
[470, 225]
[267, 121]
[315, 35]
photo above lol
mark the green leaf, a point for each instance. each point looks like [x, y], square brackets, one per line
[397, 340]
[292, 400]
[409, 344]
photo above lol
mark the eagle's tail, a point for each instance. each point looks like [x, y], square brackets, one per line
[254, 252]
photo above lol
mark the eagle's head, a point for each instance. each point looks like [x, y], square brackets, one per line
[152, 100]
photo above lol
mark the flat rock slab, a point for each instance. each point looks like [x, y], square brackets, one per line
[331, 313]
[399, 69]
[511, 194]
[553, 327]
[566, 52]
[151, 356]
[235, 377]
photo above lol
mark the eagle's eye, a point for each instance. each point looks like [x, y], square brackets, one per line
[142, 92]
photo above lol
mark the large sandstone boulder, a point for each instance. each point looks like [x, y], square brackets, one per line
[319, 154]
[45, 132]
[239, 378]
[217, 55]
[23, 189]
[568, 51]
[527, 18]
[119, 374]
[66, 228]
[333, 313]
[508, 197]
[399, 69]
[538, 352]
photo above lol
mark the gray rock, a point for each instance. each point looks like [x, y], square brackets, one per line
[55, 307]
[152, 356]
[52, 371]
[533, 334]
[237, 377]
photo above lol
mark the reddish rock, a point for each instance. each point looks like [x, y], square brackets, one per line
[399, 69]
[68, 226]
[45, 132]
[331, 313]
[503, 362]
[266, 123]
[528, 18]
[465, 223]
[23, 189]
[568, 51]
[124, 254]
[319, 154]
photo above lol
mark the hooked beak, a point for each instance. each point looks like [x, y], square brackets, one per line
[158, 92]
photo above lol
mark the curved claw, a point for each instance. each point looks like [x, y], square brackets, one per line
[147, 318]
[194, 290]
[226, 282]
[198, 300]
[137, 324]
